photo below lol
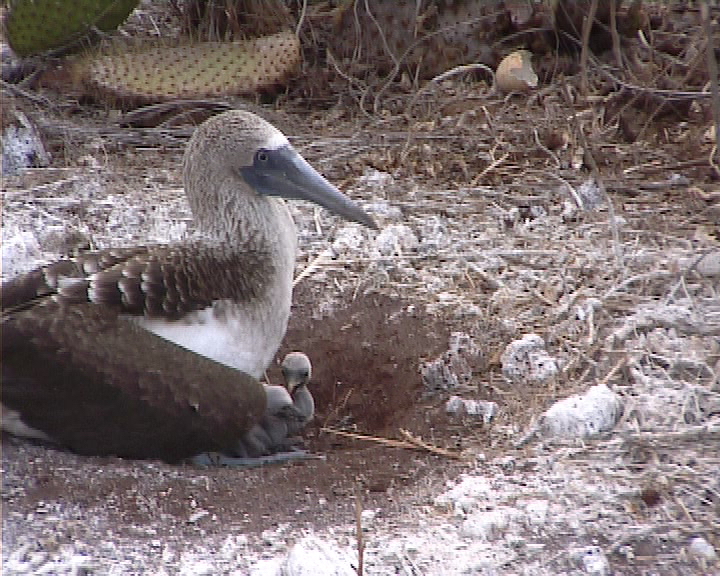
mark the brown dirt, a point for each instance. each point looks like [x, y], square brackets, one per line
[366, 379]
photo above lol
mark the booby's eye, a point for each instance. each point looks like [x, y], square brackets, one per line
[262, 156]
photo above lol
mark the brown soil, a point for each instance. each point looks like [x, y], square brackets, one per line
[366, 379]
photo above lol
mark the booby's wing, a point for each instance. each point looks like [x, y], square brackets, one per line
[155, 281]
[26, 290]
[77, 369]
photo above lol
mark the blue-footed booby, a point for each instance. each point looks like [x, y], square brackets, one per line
[156, 351]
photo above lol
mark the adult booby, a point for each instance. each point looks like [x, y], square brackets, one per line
[156, 351]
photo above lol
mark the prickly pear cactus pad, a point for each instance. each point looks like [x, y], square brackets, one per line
[198, 70]
[37, 26]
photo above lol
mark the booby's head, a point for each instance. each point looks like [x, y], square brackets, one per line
[237, 157]
[297, 370]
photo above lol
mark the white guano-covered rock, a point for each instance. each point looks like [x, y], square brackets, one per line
[313, 556]
[526, 361]
[582, 415]
[480, 409]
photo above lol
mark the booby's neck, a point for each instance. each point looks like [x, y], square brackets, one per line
[242, 220]
[223, 210]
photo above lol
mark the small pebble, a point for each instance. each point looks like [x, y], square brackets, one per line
[525, 361]
[701, 548]
[197, 515]
[592, 559]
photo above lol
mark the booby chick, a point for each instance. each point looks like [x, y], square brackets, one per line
[297, 371]
[157, 351]
[276, 437]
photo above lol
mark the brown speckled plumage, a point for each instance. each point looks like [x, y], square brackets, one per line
[157, 281]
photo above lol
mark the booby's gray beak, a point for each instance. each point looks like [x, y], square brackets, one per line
[283, 172]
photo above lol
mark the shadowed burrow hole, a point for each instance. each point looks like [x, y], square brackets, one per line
[366, 359]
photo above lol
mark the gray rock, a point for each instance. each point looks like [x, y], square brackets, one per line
[526, 361]
[22, 146]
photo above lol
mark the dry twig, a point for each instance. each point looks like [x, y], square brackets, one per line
[617, 246]
[587, 27]
[713, 76]
[615, 36]
[358, 529]
[312, 266]
[413, 442]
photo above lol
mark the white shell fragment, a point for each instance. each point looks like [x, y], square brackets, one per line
[702, 549]
[515, 72]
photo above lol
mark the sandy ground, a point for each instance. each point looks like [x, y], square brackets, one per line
[485, 236]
